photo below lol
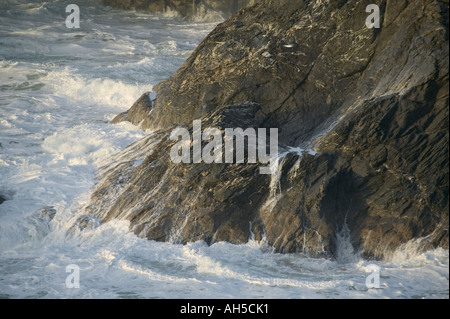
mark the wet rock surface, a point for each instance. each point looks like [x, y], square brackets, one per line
[373, 104]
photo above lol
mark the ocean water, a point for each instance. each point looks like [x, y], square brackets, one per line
[59, 88]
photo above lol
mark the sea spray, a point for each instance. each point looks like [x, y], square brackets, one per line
[57, 98]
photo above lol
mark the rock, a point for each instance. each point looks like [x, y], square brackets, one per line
[401, 159]
[232, 67]
[220, 195]
[40, 221]
[373, 103]
[5, 195]
[185, 8]
[138, 113]
[45, 214]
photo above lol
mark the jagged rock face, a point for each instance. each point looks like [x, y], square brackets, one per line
[185, 8]
[185, 202]
[372, 102]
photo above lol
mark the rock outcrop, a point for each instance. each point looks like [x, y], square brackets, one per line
[184, 8]
[372, 103]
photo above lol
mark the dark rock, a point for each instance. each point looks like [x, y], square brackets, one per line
[40, 221]
[5, 195]
[399, 147]
[45, 214]
[372, 102]
[83, 222]
[221, 195]
[138, 113]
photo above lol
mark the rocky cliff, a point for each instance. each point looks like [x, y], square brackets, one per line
[371, 103]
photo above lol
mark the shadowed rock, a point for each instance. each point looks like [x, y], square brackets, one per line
[373, 103]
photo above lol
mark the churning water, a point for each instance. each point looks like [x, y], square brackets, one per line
[59, 88]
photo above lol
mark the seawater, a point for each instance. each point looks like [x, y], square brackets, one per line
[59, 88]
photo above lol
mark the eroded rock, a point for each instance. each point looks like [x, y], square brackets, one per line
[373, 103]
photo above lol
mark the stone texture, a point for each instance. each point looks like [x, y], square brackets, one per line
[138, 113]
[372, 102]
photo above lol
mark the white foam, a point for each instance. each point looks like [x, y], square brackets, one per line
[275, 191]
[100, 92]
[59, 90]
